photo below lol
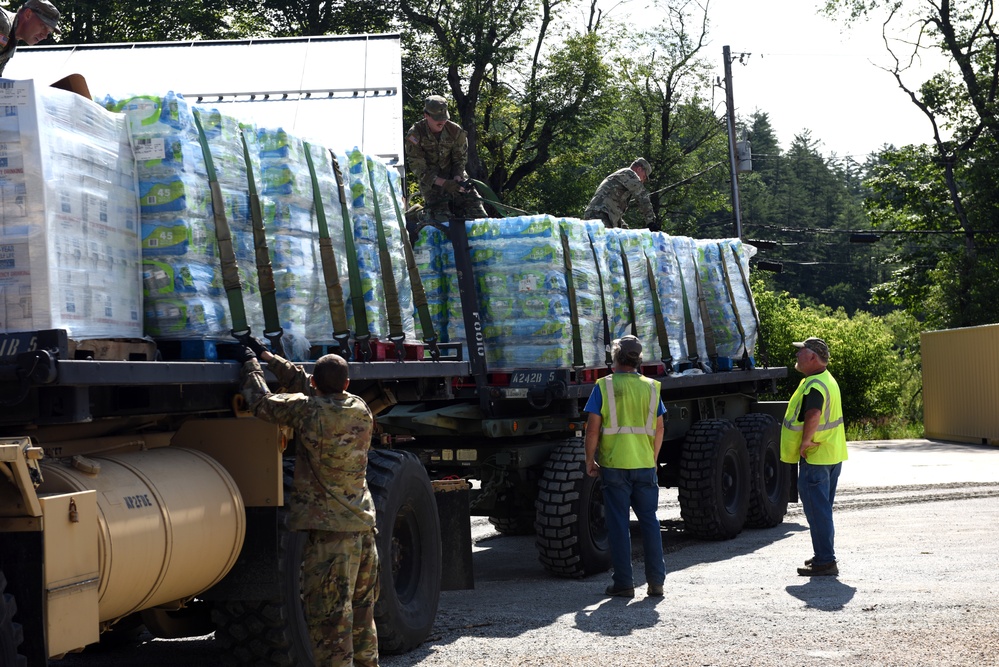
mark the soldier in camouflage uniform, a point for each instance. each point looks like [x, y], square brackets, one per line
[615, 193]
[33, 22]
[436, 152]
[330, 499]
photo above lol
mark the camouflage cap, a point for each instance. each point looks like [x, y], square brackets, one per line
[435, 106]
[627, 349]
[644, 164]
[816, 345]
[46, 13]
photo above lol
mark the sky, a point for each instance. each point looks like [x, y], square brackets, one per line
[807, 71]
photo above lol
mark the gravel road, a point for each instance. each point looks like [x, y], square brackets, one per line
[919, 585]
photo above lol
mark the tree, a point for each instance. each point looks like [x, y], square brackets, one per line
[524, 84]
[99, 21]
[955, 287]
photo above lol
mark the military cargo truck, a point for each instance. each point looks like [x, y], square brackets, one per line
[137, 492]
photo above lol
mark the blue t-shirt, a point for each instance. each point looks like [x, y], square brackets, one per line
[596, 401]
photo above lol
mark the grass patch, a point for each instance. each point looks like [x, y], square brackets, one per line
[885, 428]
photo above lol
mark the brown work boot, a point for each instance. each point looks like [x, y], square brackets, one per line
[819, 569]
[613, 590]
[654, 590]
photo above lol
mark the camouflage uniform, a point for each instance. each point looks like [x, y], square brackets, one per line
[8, 43]
[611, 200]
[331, 501]
[431, 156]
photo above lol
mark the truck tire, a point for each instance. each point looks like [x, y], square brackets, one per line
[194, 620]
[769, 481]
[570, 529]
[409, 549]
[11, 633]
[714, 480]
[269, 632]
[522, 524]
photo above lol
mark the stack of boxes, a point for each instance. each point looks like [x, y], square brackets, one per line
[69, 235]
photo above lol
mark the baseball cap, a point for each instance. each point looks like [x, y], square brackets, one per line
[435, 106]
[630, 347]
[816, 345]
[46, 13]
[644, 164]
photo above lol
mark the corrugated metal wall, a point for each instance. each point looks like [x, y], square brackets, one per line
[961, 384]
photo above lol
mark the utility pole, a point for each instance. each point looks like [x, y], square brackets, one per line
[732, 160]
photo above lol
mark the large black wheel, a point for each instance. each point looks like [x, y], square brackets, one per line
[11, 633]
[194, 620]
[769, 481]
[714, 480]
[269, 632]
[522, 524]
[409, 550]
[571, 530]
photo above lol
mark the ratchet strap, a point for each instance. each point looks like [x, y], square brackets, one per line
[578, 360]
[265, 272]
[361, 332]
[657, 311]
[397, 335]
[731, 297]
[331, 276]
[747, 357]
[223, 236]
[688, 320]
[416, 282]
[603, 304]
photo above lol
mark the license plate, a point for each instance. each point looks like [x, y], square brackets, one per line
[531, 378]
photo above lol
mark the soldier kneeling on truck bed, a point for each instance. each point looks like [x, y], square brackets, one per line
[615, 193]
[436, 153]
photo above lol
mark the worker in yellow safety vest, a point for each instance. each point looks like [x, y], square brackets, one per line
[813, 436]
[624, 431]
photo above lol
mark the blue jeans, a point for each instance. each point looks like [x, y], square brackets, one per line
[817, 491]
[638, 489]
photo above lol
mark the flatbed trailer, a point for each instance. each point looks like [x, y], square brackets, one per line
[119, 472]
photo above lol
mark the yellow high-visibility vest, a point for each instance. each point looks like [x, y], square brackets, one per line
[628, 421]
[830, 434]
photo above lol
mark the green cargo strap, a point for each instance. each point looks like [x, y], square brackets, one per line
[657, 312]
[396, 332]
[361, 332]
[631, 296]
[577, 344]
[331, 275]
[223, 236]
[416, 282]
[265, 272]
[603, 304]
[749, 295]
[702, 306]
[688, 319]
[731, 297]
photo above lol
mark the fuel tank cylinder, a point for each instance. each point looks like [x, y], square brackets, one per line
[171, 523]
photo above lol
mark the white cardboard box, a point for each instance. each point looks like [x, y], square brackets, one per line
[69, 235]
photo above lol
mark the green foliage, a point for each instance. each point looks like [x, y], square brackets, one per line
[863, 357]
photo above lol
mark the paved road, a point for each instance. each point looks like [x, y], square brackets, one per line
[919, 586]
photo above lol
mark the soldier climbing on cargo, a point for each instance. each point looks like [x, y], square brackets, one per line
[33, 22]
[615, 193]
[624, 432]
[330, 499]
[436, 152]
[814, 437]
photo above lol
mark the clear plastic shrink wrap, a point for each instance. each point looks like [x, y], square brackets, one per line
[69, 235]
[520, 272]
[723, 264]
